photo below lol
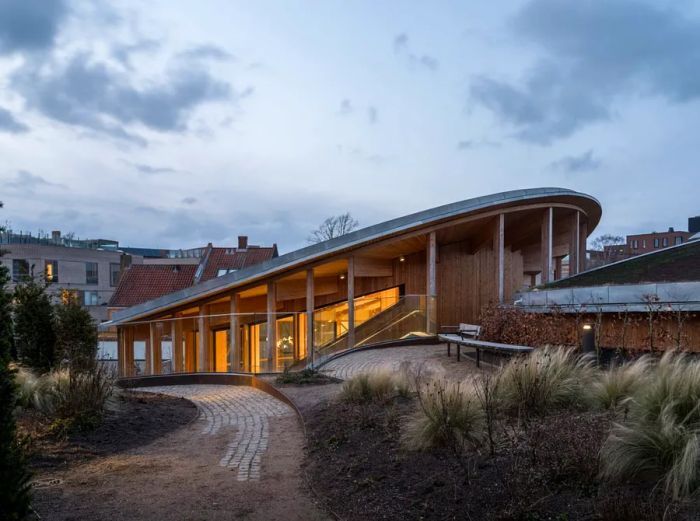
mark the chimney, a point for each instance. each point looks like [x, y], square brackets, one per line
[242, 242]
[694, 224]
[670, 230]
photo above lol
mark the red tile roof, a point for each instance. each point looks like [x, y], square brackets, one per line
[142, 282]
[233, 259]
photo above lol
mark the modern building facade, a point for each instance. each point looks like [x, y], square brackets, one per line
[404, 278]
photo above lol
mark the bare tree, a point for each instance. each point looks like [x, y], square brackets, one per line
[606, 245]
[333, 227]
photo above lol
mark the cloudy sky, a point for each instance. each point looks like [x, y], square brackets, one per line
[171, 123]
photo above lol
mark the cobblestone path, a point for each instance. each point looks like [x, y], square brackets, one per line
[389, 358]
[244, 409]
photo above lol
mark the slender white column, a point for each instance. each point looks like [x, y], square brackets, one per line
[233, 333]
[431, 283]
[499, 245]
[351, 302]
[271, 325]
[310, 304]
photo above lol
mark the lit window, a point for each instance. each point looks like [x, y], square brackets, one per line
[90, 298]
[91, 276]
[20, 270]
[51, 270]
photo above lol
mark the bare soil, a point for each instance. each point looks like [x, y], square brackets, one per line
[546, 471]
[150, 461]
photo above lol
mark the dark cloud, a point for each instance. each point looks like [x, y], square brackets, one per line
[201, 52]
[150, 170]
[189, 200]
[372, 114]
[346, 107]
[30, 25]
[575, 164]
[425, 61]
[470, 144]
[8, 123]
[26, 182]
[594, 53]
[104, 99]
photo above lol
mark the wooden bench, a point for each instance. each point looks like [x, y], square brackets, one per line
[478, 345]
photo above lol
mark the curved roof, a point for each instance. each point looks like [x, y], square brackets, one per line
[415, 221]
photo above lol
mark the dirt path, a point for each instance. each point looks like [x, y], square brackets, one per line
[240, 460]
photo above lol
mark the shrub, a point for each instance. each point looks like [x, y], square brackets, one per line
[546, 378]
[35, 338]
[15, 491]
[615, 386]
[368, 387]
[449, 415]
[26, 383]
[660, 439]
[74, 399]
[76, 334]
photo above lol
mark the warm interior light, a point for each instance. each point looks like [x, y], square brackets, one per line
[587, 327]
[402, 258]
[342, 276]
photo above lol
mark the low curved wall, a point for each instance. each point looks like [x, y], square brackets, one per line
[207, 379]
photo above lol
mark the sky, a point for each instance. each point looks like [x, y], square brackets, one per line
[164, 123]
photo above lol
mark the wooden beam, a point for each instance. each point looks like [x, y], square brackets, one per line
[178, 359]
[233, 333]
[583, 235]
[156, 349]
[574, 243]
[546, 246]
[310, 306]
[294, 289]
[431, 283]
[203, 351]
[499, 247]
[372, 267]
[351, 302]
[272, 325]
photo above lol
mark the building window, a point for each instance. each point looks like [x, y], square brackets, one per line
[114, 274]
[665, 241]
[635, 244]
[20, 270]
[90, 298]
[656, 243]
[51, 270]
[678, 240]
[224, 271]
[644, 244]
[91, 273]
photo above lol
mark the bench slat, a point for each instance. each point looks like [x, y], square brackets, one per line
[456, 339]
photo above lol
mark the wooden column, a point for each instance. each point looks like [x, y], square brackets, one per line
[120, 352]
[233, 333]
[431, 283]
[557, 267]
[500, 259]
[310, 304]
[129, 351]
[583, 234]
[546, 246]
[271, 325]
[156, 348]
[574, 243]
[176, 335]
[203, 351]
[351, 302]
[147, 352]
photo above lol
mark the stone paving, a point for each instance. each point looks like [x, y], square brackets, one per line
[389, 358]
[244, 409]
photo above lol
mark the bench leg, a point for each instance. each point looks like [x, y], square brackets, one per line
[459, 350]
[448, 349]
[478, 357]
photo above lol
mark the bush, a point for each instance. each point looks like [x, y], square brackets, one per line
[35, 338]
[547, 378]
[76, 400]
[304, 377]
[76, 334]
[660, 439]
[368, 387]
[449, 415]
[26, 383]
[615, 386]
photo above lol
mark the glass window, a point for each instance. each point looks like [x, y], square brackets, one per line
[51, 270]
[656, 243]
[114, 274]
[224, 271]
[20, 270]
[665, 241]
[90, 298]
[91, 276]
[644, 243]
[678, 240]
[635, 244]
